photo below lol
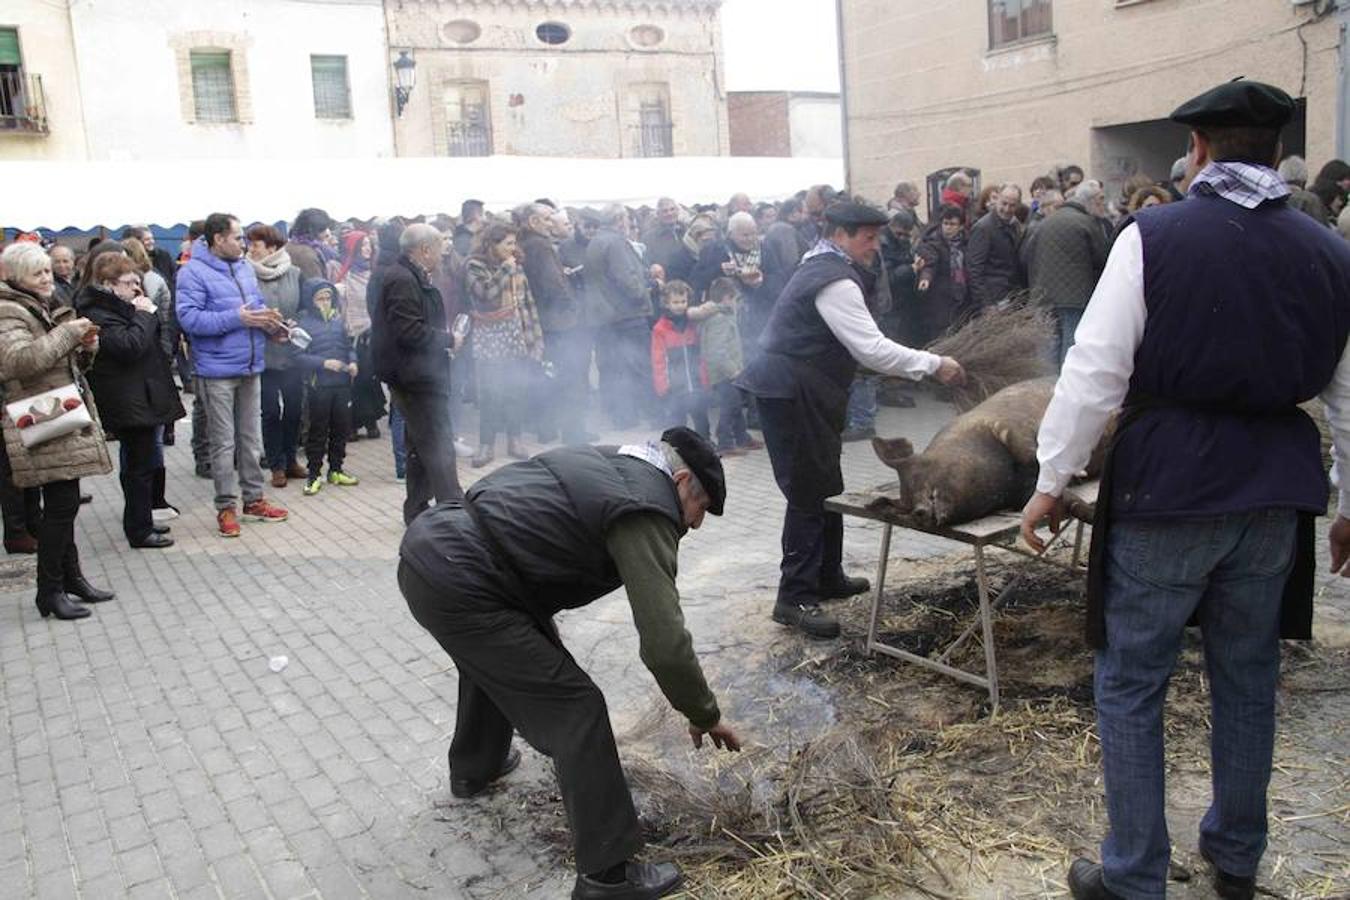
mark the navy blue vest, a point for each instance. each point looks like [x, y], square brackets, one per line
[795, 329]
[1248, 313]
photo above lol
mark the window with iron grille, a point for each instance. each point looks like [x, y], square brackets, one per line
[213, 86]
[468, 128]
[655, 130]
[332, 91]
[1011, 21]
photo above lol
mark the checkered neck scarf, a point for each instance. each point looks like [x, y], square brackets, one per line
[1242, 183]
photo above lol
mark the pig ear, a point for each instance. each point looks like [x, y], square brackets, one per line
[892, 451]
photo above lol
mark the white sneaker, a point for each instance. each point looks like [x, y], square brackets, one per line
[167, 514]
[462, 448]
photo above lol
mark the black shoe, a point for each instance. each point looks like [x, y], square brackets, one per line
[642, 881]
[858, 434]
[161, 529]
[849, 587]
[155, 540]
[57, 603]
[86, 498]
[464, 788]
[373, 432]
[203, 470]
[1230, 887]
[1085, 882]
[809, 618]
[79, 586]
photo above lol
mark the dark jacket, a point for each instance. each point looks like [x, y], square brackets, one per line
[1064, 256]
[409, 333]
[781, 251]
[131, 379]
[329, 338]
[992, 260]
[899, 324]
[947, 296]
[553, 295]
[308, 260]
[665, 248]
[572, 254]
[617, 288]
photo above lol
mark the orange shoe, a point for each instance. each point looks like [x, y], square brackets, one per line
[227, 522]
[262, 511]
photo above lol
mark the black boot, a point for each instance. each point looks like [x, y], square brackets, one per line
[641, 881]
[56, 603]
[77, 585]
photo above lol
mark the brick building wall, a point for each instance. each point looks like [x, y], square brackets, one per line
[760, 123]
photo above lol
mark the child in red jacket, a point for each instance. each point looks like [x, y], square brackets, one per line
[678, 372]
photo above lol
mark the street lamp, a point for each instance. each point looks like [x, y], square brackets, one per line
[405, 79]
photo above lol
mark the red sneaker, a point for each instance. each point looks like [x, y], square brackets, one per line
[262, 511]
[227, 522]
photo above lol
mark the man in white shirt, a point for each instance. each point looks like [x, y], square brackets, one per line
[1208, 495]
[819, 331]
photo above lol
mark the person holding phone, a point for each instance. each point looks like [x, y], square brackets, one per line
[43, 349]
[133, 384]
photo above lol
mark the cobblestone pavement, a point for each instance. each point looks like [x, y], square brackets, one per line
[150, 751]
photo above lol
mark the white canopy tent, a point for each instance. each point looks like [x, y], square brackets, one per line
[89, 195]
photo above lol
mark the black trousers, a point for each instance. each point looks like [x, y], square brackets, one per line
[813, 539]
[138, 465]
[731, 427]
[514, 673]
[624, 358]
[330, 421]
[57, 556]
[563, 401]
[430, 443]
[21, 507]
[283, 392]
[687, 409]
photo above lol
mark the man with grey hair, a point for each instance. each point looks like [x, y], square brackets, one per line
[63, 274]
[619, 307]
[991, 256]
[665, 242]
[1294, 171]
[561, 405]
[486, 576]
[411, 345]
[1064, 256]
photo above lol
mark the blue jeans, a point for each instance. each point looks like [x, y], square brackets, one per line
[862, 403]
[398, 436]
[1067, 319]
[1232, 570]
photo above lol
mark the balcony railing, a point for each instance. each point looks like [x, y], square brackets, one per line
[468, 139]
[654, 139]
[23, 104]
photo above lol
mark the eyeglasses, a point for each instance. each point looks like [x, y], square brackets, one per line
[129, 281]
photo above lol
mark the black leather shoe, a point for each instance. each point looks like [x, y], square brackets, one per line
[86, 498]
[1230, 887]
[79, 587]
[642, 881]
[153, 541]
[849, 587]
[464, 788]
[57, 603]
[1085, 882]
[808, 618]
[160, 529]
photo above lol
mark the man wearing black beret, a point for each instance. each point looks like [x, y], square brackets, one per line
[1214, 319]
[818, 332]
[485, 577]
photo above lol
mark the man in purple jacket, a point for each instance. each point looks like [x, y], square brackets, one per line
[222, 311]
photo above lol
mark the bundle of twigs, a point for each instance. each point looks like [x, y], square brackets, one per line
[1003, 345]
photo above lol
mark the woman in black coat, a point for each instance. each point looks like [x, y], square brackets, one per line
[133, 386]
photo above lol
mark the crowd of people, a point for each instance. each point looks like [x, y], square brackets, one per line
[296, 340]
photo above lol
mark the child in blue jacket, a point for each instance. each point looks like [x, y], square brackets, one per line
[330, 365]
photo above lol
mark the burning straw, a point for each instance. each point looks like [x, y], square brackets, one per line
[1006, 344]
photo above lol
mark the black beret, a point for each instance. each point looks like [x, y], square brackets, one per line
[703, 461]
[846, 212]
[1249, 104]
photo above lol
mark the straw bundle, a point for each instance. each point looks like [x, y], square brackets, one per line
[1004, 345]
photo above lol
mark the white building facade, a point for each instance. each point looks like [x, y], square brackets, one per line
[167, 79]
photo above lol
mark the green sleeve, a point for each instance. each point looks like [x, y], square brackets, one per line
[644, 547]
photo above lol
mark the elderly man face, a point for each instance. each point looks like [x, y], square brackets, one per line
[744, 235]
[560, 226]
[667, 211]
[1005, 206]
[63, 262]
[740, 203]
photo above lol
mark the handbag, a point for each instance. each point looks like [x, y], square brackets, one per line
[49, 415]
